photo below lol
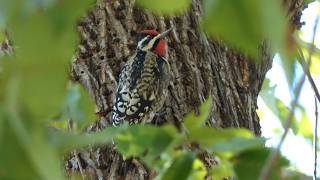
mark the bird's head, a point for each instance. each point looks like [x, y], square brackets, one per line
[151, 40]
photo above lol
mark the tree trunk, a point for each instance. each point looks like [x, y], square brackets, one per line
[200, 67]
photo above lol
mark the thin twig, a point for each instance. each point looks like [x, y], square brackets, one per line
[305, 65]
[266, 171]
[315, 138]
[317, 97]
[315, 89]
[307, 72]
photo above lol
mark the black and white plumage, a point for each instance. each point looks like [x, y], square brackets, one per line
[143, 81]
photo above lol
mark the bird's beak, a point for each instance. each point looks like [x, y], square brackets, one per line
[163, 34]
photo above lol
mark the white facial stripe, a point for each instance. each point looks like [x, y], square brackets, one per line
[150, 43]
[141, 41]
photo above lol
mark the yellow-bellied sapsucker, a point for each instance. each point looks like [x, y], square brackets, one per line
[143, 81]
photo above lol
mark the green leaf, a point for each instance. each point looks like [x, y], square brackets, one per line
[304, 125]
[254, 160]
[237, 144]
[222, 170]
[146, 140]
[209, 136]
[13, 157]
[41, 69]
[315, 65]
[42, 157]
[78, 107]
[315, 59]
[244, 24]
[274, 26]
[180, 168]
[2, 35]
[165, 7]
[229, 140]
[277, 107]
[65, 14]
[198, 170]
[66, 141]
[193, 122]
[283, 115]
[34, 83]
[44, 48]
[2, 117]
[60, 11]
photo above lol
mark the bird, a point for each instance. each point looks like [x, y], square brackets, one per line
[143, 81]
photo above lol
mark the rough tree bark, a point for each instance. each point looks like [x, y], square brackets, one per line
[201, 67]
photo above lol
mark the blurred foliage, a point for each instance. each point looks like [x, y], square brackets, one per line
[301, 124]
[245, 24]
[199, 170]
[157, 146]
[255, 159]
[180, 168]
[37, 104]
[33, 83]
[222, 170]
[304, 125]
[315, 60]
[289, 67]
[165, 7]
[2, 35]
[77, 110]
[135, 142]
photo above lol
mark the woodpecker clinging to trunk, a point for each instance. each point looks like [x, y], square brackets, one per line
[143, 81]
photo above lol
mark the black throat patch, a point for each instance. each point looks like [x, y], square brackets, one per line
[137, 68]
